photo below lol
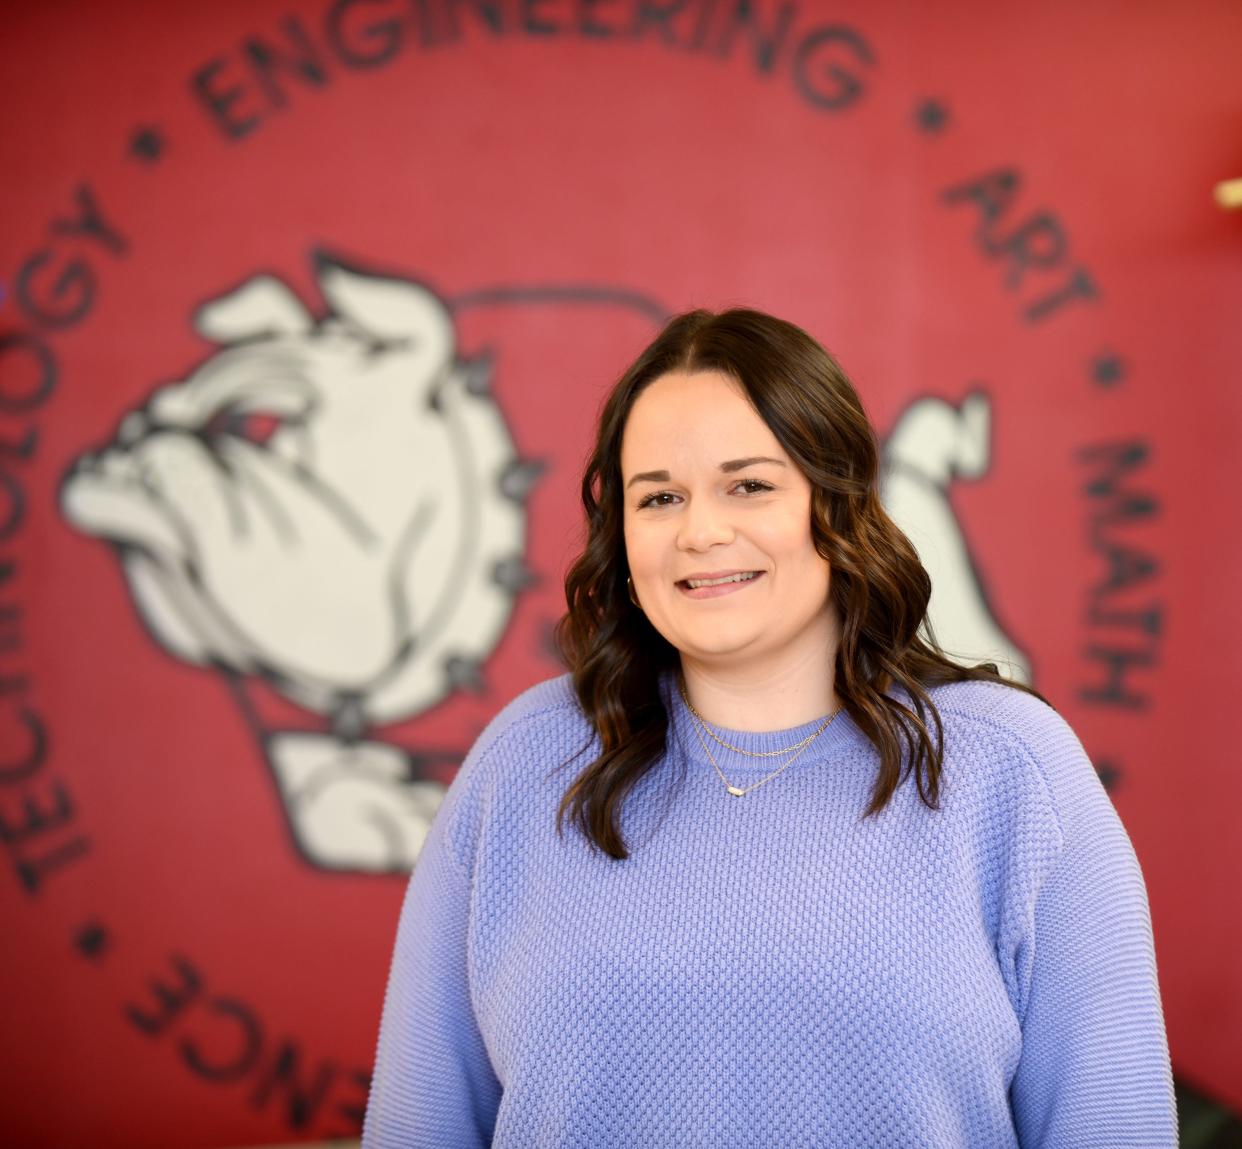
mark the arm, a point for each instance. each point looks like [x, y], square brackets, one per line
[1094, 1070]
[433, 1084]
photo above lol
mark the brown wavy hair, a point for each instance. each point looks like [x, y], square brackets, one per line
[878, 585]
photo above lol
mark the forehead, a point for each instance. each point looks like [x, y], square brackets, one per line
[687, 415]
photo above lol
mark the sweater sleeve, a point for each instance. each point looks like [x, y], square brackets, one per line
[433, 1084]
[1094, 1070]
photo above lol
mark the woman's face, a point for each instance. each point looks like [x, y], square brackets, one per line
[710, 494]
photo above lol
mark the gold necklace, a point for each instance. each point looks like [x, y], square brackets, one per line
[752, 753]
[739, 791]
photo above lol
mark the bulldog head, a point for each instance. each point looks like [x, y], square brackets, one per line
[334, 504]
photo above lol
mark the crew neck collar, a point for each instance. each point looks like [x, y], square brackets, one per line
[841, 730]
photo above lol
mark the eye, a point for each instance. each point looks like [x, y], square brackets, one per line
[756, 486]
[255, 427]
[652, 499]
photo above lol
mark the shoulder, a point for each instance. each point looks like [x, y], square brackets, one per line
[1005, 711]
[547, 712]
[1014, 739]
[541, 728]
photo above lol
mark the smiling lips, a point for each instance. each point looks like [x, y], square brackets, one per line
[712, 584]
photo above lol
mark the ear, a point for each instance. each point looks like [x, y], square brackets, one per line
[388, 310]
[261, 306]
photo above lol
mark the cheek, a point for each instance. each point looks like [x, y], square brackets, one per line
[786, 536]
[639, 551]
[651, 553]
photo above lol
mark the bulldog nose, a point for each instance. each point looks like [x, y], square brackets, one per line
[132, 428]
[117, 464]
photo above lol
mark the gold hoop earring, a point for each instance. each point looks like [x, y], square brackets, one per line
[629, 582]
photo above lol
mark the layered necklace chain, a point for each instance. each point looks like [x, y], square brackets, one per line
[795, 751]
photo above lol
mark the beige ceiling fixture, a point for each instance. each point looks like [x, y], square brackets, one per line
[1229, 194]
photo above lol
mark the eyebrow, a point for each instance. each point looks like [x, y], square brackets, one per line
[728, 467]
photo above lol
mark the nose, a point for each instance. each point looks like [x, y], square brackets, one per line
[704, 524]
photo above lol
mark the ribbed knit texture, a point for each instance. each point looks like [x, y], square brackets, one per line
[774, 970]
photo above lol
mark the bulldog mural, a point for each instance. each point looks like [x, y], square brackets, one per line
[932, 444]
[334, 505]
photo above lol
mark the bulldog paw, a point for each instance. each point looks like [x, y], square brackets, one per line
[353, 806]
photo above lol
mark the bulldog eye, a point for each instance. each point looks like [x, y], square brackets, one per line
[255, 427]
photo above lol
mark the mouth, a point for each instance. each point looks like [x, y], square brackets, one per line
[714, 586]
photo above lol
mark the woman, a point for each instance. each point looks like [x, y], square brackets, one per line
[766, 869]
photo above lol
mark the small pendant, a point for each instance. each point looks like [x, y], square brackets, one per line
[736, 792]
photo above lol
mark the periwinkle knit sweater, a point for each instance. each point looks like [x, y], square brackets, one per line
[775, 970]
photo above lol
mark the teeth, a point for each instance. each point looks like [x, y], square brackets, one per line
[695, 583]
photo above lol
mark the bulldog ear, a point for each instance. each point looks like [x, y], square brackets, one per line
[261, 306]
[389, 310]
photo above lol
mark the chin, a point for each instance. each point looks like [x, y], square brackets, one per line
[717, 646]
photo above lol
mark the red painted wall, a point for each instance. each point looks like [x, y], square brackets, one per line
[966, 197]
